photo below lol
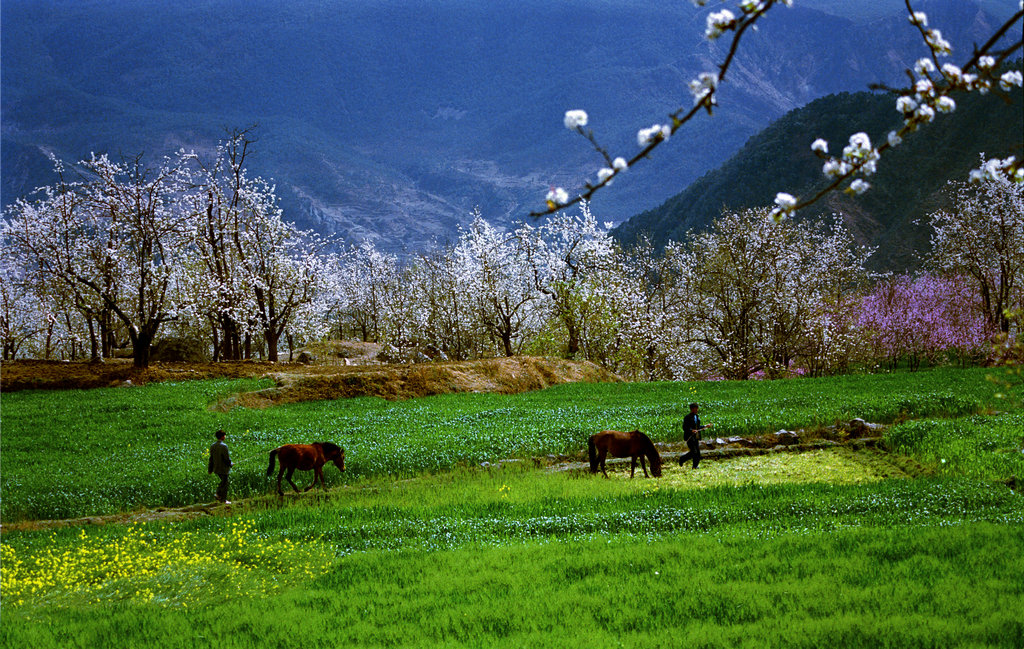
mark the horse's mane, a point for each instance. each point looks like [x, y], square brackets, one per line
[329, 447]
[649, 447]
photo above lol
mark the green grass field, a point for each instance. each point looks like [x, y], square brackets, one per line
[420, 546]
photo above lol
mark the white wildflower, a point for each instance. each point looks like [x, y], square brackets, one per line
[575, 119]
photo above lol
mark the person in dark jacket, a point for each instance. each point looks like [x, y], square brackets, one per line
[220, 463]
[691, 435]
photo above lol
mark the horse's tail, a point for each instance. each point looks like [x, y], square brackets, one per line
[273, 457]
[592, 451]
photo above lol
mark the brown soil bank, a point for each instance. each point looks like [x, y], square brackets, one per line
[297, 382]
[500, 375]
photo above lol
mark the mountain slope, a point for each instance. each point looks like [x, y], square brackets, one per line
[910, 183]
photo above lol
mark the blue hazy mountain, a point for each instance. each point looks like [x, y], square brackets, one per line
[390, 120]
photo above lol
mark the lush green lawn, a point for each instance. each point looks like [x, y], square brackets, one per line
[76, 453]
[822, 548]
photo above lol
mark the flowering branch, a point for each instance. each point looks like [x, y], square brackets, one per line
[703, 89]
[931, 84]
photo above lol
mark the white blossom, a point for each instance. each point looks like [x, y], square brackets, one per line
[952, 72]
[703, 85]
[752, 6]
[924, 88]
[656, 132]
[986, 62]
[945, 105]
[925, 113]
[718, 22]
[819, 146]
[1011, 79]
[605, 173]
[924, 66]
[558, 196]
[906, 105]
[919, 18]
[939, 45]
[835, 168]
[575, 119]
[894, 138]
[785, 202]
[620, 164]
[859, 186]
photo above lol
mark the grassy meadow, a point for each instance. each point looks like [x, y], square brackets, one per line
[418, 544]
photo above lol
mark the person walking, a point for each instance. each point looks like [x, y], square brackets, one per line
[220, 463]
[691, 435]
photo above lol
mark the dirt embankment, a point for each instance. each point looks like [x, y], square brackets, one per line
[311, 382]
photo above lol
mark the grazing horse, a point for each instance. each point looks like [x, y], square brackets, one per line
[633, 444]
[305, 457]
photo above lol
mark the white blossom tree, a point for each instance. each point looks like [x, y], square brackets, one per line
[497, 279]
[982, 237]
[753, 292]
[114, 241]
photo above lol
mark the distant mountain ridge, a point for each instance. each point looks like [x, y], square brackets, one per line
[391, 120]
[911, 182]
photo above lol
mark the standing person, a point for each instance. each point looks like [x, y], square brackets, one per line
[691, 435]
[220, 463]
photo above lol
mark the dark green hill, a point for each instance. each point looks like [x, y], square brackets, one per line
[909, 185]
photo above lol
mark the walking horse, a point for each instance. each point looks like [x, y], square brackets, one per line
[305, 457]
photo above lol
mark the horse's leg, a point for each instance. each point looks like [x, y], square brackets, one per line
[632, 466]
[279, 474]
[643, 465]
[316, 476]
[288, 477]
[601, 456]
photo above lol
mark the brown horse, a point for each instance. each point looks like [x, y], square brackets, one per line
[633, 444]
[305, 457]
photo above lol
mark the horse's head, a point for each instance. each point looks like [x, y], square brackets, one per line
[655, 465]
[333, 453]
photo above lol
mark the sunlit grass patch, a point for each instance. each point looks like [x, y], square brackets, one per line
[835, 466]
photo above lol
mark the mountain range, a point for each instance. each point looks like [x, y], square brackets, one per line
[390, 120]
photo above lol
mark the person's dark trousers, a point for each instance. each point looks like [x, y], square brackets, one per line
[694, 445]
[222, 488]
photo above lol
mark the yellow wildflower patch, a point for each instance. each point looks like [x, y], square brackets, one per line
[144, 565]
